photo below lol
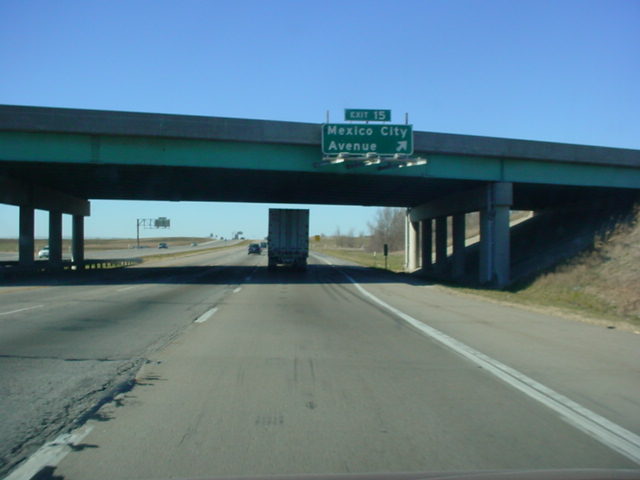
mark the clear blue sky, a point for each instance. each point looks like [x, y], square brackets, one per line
[566, 71]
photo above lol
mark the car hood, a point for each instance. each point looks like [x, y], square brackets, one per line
[528, 474]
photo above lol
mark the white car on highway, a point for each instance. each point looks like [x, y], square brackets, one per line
[44, 252]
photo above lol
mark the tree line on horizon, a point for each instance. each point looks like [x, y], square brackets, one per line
[387, 226]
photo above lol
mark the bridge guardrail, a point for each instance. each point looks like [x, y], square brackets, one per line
[12, 268]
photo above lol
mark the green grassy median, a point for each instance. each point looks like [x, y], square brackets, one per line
[188, 253]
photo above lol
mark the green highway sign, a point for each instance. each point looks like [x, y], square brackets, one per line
[162, 222]
[359, 115]
[363, 138]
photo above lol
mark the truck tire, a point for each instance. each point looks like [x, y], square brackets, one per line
[271, 264]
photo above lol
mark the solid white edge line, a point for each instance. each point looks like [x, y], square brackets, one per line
[21, 310]
[237, 290]
[50, 454]
[606, 432]
[205, 316]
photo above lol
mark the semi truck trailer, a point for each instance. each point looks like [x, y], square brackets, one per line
[288, 237]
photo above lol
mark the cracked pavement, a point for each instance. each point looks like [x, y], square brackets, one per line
[89, 336]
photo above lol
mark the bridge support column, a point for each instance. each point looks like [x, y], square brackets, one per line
[55, 237]
[406, 240]
[494, 235]
[77, 240]
[413, 245]
[28, 197]
[458, 233]
[426, 240]
[25, 241]
[493, 201]
[441, 244]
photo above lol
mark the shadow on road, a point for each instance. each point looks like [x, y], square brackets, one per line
[47, 473]
[217, 275]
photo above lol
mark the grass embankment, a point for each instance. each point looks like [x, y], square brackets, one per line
[602, 284]
[327, 245]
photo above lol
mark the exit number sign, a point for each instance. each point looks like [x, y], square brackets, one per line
[357, 115]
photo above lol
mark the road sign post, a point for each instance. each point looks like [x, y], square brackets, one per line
[386, 256]
[360, 139]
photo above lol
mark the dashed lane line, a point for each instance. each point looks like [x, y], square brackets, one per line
[206, 315]
[21, 310]
[128, 288]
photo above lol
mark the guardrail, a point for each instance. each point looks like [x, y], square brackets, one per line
[13, 269]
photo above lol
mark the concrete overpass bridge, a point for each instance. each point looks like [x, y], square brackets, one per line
[59, 159]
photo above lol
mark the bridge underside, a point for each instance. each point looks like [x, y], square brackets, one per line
[429, 199]
[134, 182]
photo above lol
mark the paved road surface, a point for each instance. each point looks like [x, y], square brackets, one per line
[63, 347]
[132, 252]
[282, 372]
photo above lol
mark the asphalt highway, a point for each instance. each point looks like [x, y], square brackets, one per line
[243, 371]
[130, 252]
[64, 346]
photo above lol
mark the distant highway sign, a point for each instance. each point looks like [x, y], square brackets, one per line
[363, 138]
[162, 222]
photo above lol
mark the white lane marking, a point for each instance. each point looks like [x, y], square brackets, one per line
[606, 432]
[237, 290]
[21, 310]
[128, 288]
[50, 454]
[205, 316]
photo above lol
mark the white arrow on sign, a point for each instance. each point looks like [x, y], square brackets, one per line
[402, 145]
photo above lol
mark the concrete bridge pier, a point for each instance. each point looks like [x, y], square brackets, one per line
[493, 201]
[413, 245]
[458, 232]
[441, 245]
[495, 252]
[55, 238]
[426, 240]
[77, 240]
[30, 197]
[26, 235]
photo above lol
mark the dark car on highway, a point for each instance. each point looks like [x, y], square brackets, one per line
[255, 248]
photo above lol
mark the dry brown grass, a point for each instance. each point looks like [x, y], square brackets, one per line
[11, 244]
[603, 283]
[610, 274]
